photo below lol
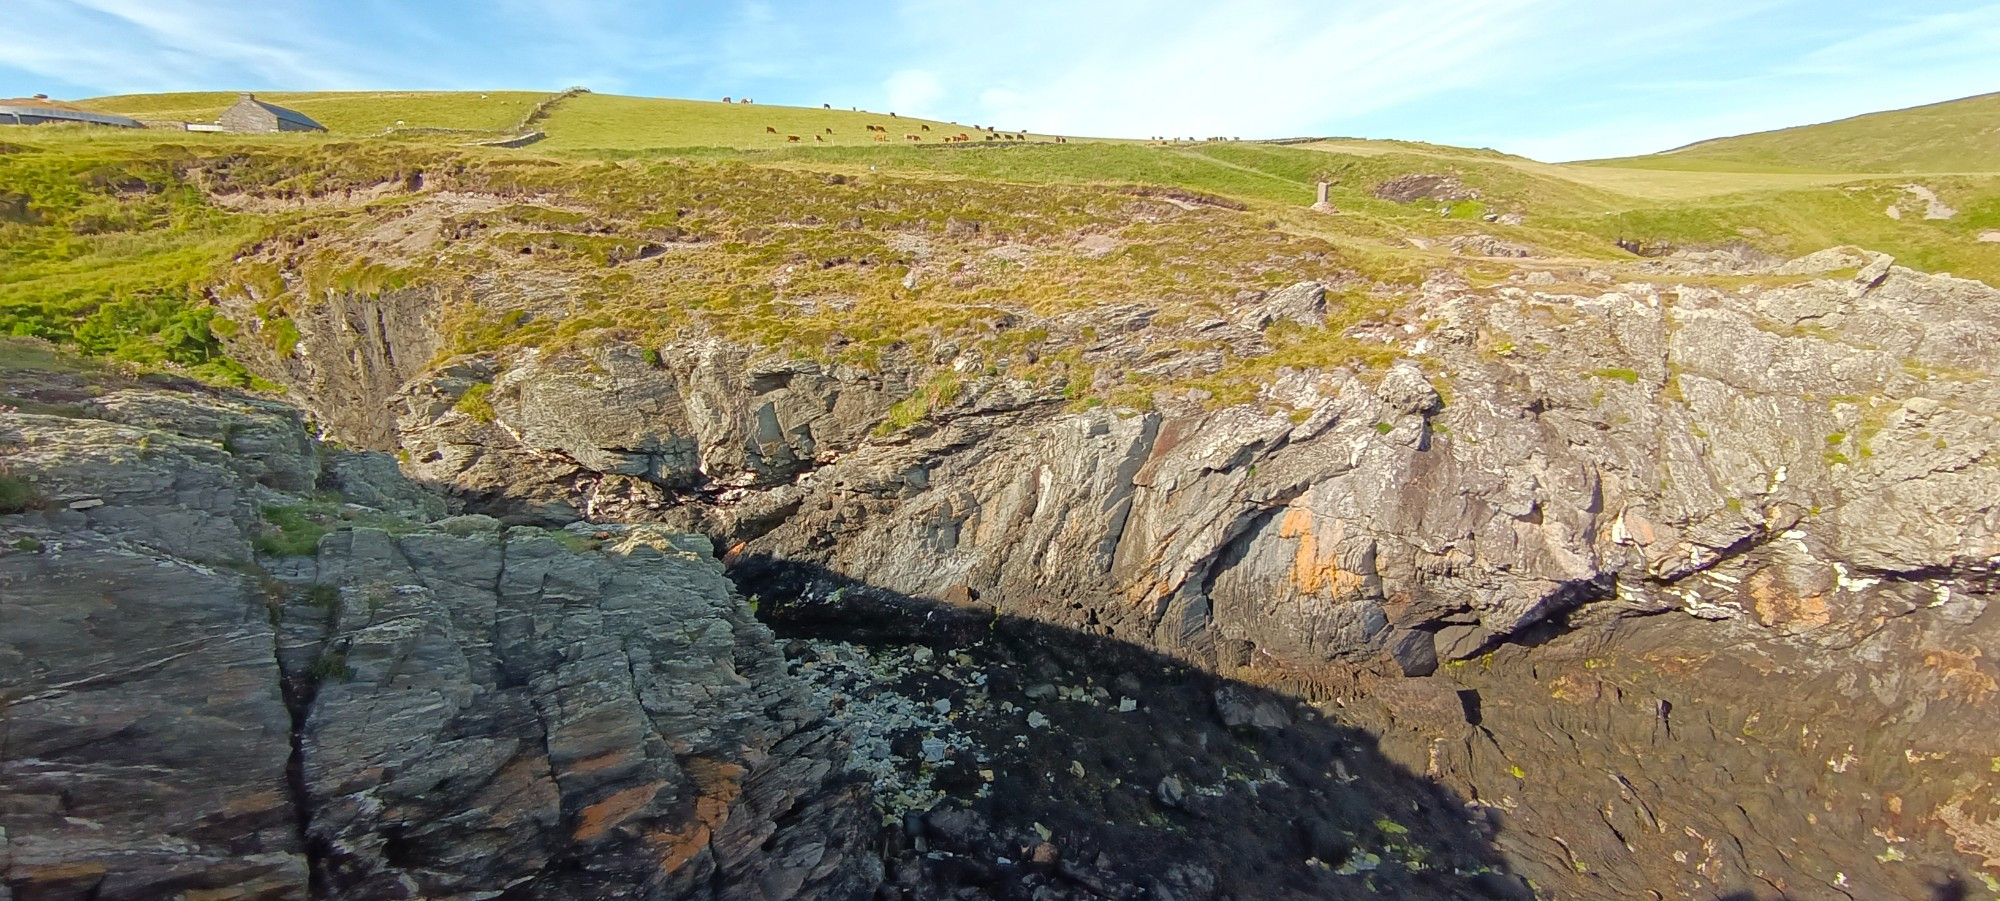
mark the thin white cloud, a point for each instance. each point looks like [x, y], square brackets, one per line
[1258, 67]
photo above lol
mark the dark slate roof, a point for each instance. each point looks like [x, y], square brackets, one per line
[56, 109]
[293, 116]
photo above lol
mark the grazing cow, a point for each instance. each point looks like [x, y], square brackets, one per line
[820, 138]
[746, 100]
[726, 100]
[914, 137]
[892, 115]
[881, 137]
[829, 131]
[794, 139]
[769, 130]
[925, 127]
[826, 106]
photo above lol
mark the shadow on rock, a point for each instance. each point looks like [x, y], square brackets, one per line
[1016, 759]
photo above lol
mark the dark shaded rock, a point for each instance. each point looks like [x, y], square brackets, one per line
[1414, 652]
[1237, 709]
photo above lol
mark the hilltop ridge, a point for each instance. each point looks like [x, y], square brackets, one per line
[1955, 136]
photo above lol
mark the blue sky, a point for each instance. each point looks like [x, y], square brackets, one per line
[1552, 79]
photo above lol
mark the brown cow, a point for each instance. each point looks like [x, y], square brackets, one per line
[792, 138]
[914, 137]
[881, 137]
[925, 127]
[769, 130]
[829, 131]
[820, 138]
[726, 100]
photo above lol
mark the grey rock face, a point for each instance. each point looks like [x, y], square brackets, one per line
[1800, 464]
[443, 712]
[608, 434]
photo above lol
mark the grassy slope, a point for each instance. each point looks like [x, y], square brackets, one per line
[606, 122]
[1956, 136]
[120, 271]
[343, 112]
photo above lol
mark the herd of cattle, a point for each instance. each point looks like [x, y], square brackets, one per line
[881, 132]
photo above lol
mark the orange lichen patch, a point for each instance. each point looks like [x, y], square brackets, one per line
[1576, 688]
[717, 785]
[61, 872]
[523, 789]
[598, 818]
[1675, 664]
[1971, 833]
[256, 802]
[734, 554]
[1778, 607]
[1316, 570]
[601, 762]
[1960, 677]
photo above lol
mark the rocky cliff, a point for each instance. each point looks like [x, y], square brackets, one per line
[1749, 516]
[205, 697]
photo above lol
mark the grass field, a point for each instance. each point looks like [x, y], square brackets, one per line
[343, 112]
[1645, 183]
[1952, 137]
[606, 122]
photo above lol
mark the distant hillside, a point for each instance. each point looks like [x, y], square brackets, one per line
[1954, 136]
[351, 112]
[589, 121]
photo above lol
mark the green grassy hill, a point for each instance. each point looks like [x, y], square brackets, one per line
[1955, 136]
[342, 112]
[112, 240]
[614, 123]
[586, 122]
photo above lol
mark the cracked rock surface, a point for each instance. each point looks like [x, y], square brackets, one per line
[446, 709]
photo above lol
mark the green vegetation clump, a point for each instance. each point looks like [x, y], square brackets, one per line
[17, 494]
[581, 544]
[331, 665]
[941, 391]
[323, 597]
[109, 254]
[473, 403]
[1628, 376]
[292, 531]
[27, 544]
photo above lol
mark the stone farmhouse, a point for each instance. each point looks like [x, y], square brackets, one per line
[253, 115]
